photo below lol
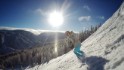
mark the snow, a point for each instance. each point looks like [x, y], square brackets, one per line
[104, 49]
[64, 62]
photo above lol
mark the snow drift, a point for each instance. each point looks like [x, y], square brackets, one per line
[104, 49]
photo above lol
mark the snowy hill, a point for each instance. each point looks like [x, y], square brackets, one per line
[104, 49]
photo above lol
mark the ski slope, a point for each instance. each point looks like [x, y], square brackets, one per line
[104, 49]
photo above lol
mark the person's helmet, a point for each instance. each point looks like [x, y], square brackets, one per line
[67, 33]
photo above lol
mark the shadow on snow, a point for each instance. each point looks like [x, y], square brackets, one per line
[95, 63]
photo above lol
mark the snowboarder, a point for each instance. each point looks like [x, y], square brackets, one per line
[76, 44]
[69, 40]
[80, 54]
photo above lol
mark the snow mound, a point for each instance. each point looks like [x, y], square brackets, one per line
[104, 49]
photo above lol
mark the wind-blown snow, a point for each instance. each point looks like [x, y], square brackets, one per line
[104, 49]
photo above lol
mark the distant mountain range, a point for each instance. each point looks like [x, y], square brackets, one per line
[18, 39]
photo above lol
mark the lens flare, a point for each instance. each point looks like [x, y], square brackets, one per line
[56, 44]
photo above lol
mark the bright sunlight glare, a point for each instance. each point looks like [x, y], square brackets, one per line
[56, 18]
[56, 44]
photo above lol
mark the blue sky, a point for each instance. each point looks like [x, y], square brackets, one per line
[78, 14]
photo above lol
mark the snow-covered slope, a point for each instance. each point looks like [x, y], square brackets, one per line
[104, 49]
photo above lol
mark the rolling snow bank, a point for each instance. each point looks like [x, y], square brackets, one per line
[104, 49]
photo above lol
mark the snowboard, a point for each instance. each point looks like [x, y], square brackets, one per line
[82, 61]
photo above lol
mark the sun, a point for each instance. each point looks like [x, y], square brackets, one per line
[56, 18]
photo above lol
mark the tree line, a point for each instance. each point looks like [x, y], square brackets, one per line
[84, 34]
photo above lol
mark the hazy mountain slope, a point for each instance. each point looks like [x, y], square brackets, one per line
[17, 39]
[104, 49]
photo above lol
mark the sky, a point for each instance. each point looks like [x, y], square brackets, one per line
[78, 14]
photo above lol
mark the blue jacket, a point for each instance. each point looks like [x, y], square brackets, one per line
[77, 50]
